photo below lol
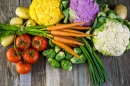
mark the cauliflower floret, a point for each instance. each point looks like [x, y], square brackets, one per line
[113, 40]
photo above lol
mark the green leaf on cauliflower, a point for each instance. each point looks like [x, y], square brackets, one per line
[72, 14]
[102, 7]
[105, 53]
[128, 46]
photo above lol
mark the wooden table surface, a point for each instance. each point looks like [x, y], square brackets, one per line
[42, 74]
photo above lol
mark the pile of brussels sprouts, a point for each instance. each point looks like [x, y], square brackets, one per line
[58, 57]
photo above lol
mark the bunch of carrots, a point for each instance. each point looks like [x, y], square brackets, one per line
[65, 35]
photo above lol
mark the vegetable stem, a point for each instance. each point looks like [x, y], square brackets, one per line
[97, 69]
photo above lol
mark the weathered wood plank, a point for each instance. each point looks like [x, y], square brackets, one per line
[25, 79]
[52, 76]
[81, 75]
[13, 4]
[24, 3]
[66, 77]
[9, 77]
[38, 74]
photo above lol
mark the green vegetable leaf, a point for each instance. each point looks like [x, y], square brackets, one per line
[66, 14]
[72, 14]
[65, 3]
[64, 7]
[128, 46]
[102, 7]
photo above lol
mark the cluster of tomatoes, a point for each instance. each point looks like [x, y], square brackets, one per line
[26, 52]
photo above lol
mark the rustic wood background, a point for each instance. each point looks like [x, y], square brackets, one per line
[43, 74]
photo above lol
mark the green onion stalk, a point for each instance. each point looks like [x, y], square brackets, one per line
[98, 71]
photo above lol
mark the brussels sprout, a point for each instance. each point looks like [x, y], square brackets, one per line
[54, 63]
[77, 50]
[49, 53]
[68, 56]
[57, 48]
[66, 64]
[51, 43]
[60, 56]
[80, 60]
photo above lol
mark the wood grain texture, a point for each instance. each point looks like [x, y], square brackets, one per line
[42, 74]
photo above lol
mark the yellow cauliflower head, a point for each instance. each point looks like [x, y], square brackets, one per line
[46, 12]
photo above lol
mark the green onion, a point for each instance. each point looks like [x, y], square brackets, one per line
[98, 71]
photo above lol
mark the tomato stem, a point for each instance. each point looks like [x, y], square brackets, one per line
[31, 53]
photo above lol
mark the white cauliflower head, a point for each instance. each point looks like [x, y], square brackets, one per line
[112, 40]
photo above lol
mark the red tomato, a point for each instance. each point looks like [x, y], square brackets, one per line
[23, 68]
[31, 55]
[12, 55]
[39, 43]
[23, 41]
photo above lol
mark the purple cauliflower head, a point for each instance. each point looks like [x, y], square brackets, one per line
[83, 11]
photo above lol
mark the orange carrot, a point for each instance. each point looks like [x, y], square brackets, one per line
[77, 27]
[61, 33]
[67, 41]
[71, 45]
[73, 38]
[64, 26]
[80, 28]
[70, 30]
[65, 47]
